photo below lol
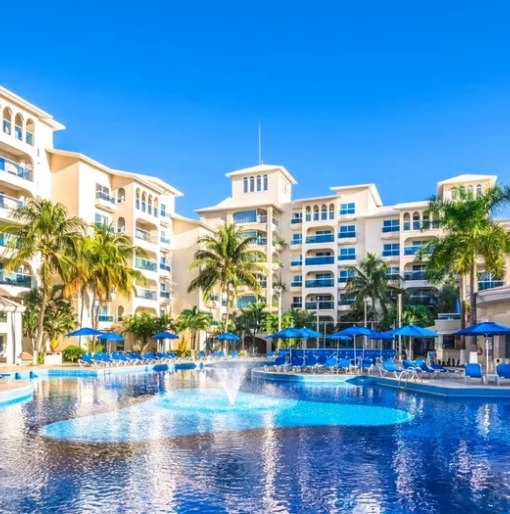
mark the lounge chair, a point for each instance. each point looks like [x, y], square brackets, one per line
[390, 368]
[473, 371]
[502, 373]
[85, 360]
[412, 369]
[366, 364]
[270, 355]
[233, 354]
[344, 365]
[311, 362]
[331, 364]
[431, 372]
[201, 355]
[446, 371]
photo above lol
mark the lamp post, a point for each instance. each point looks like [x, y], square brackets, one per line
[279, 290]
[399, 324]
[365, 312]
[318, 323]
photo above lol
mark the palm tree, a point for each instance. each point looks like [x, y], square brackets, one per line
[226, 261]
[470, 236]
[45, 233]
[103, 268]
[302, 318]
[370, 280]
[144, 325]
[254, 316]
[195, 321]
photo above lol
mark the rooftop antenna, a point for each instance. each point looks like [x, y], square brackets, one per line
[260, 145]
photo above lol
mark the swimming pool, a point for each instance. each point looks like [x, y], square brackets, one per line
[164, 443]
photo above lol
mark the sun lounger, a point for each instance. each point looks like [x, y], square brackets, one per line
[412, 369]
[233, 354]
[344, 365]
[502, 373]
[447, 372]
[473, 371]
[431, 372]
[389, 368]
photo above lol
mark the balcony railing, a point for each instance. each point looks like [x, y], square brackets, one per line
[415, 275]
[483, 285]
[311, 261]
[263, 283]
[7, 127]
[347, 234]
[18, 132]
[105, 318]
[15, 169]
[296, 283]
[347, 257]
[320, 282]
[414, 249]
[29, 138]
[261, 241]
[163, 266]
[345, 301]
[164, 240]
[294, 221]
[6, 239]
[298, 262]
[164, 294]
[320, 238]
[448, 316]
[312, 306]
[15, 279]
[146, 294]
[145, 235]
[7, 202]
[392, 228]
[391, 253]
[145, 264]
[342, 279]
[105, 197]
[297, 305]
[296, 241]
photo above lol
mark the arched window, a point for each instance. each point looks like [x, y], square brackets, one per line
[478, 189]
[426, 222]
[455, 193]
[7, 121]
[156, 207]
[331, 211]
[144, 202]
[120, 313]
[407, 221]
[324, 212]
[470, 191]
[316, 214]
[259, 183]
[29, 132]
[18, 127]
[308, 214]
[121, 195]
[264, 179]
[252, 184]
[137, 201]
[245, 184]
[121, 225]
[149, 210]
[416, 221]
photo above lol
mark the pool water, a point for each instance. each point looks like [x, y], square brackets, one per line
[170, 443]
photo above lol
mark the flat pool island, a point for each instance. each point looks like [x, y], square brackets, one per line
[227, 438]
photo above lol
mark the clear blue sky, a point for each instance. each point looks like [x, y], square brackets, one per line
[399, 93]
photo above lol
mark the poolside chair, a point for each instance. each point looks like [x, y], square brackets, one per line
[366, 364]
[119, 359]
[431, 372]
[473, 371]
[311, 362]
[502, 373]
[270, 355]
[233, 354]
[412, 369]
[331, 365]
[389, 368]
[344, 365]
[447, 372]
[201, 355]
[85, 360]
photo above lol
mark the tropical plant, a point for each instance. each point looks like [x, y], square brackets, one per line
[254, 316]
[72, 353]
[470, 236]
[271, 322]
[227, 261]
[44, 232]
[370, 280]
[302, 318]
[419, 315]
[144, 325]
[102, 268]
[195, 321]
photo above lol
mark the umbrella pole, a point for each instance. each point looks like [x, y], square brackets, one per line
[354, 338]
[487, 355]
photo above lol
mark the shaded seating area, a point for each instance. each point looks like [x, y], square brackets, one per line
[473, 371]
[502, 373]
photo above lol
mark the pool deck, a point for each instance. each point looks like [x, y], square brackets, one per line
[447, 387]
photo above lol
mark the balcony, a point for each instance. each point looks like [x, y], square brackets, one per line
[164, 295]
[145, 235]
[295, 221]
[105, 201]
[351, 234]
[6, 240]
[297, 305]
[145, 264]
[320, 238]
[313, 261]
[164, 240]
[391, 253]
[296, 241]
[347, 257]
[345, 302]
[410, 250]
[297, 262]
[415, 275]
[483, 285]
[322, 305]
[13, 168]
[320, 282]
[8, 203]
[297, 283]
[261, 241]
[15, 279]
[164, 267]
[146, 294]
[105, 318]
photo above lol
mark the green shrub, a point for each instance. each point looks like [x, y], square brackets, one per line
[72, 353]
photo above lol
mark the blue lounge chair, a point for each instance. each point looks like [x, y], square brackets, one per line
[220, 354]
[502, 373]
[85, 360]
[412, 370]
[366, 364]
[331, 364]
[344, 365]
[431, 372]
[390, 368]
[270, 355]
[201, 355]
[473, 371]
[233, 354]
[447, 372]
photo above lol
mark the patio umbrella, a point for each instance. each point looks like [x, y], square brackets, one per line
[338, 338]
[353, 332]
[288, 333]
[85, 331]
[381, 336]
[228, 337]
[487, 329]
[411, 331]
[110, 336]
[308, 333]
[163, 336]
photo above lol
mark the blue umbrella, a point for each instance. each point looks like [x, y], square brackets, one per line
[85, 331]
[287, 333]
[353, 332]
[338, 338]
[411, 331]
[380, 336]
[165, 335]
[110, 336]
[487, 329]
[227, 336]
[308, 332]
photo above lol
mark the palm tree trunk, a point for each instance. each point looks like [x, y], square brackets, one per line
[40, 326]
[472, 295]
[227, 313]
[462, 301]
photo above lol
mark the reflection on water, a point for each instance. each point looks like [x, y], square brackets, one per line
[453, 457]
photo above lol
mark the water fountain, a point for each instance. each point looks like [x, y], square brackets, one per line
[231, 379]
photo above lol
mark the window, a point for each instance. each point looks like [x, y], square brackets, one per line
[264, 180]
[296, 260]
[245, 184]
[392, 271]
[346, 299]
[390, 250]
[297, 239]
[259, 183]
[297, 302]
[99, 219]
[344, 275]
[121, 195]
[347, 254]
[103, 193]
[144, 202]
[407, 221]
[347, 231]
[163, 210]
[416, 221]
[137, 202]
[252, 184]
[244, 301]
[245, 217]
[391, 226]
[297, 280]
[478, 189]
[347, 208]
[297, 217]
